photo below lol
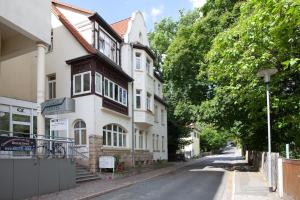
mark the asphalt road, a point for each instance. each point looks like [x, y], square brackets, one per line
[201, 181]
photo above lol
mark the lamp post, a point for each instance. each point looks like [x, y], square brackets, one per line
[266, 74]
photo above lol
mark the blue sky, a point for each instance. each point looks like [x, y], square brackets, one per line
[153, 10]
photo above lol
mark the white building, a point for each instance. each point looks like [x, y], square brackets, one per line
[22, 65]
[193, 149]
[108, 74]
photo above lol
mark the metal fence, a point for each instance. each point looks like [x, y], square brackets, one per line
[22, 145]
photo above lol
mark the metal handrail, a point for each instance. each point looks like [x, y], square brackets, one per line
[79, 153]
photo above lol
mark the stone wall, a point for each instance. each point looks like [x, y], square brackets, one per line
[96, 150]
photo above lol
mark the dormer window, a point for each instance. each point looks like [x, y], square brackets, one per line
[107, 45]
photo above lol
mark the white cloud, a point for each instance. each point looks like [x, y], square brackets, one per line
[198, 3]
[157, 11]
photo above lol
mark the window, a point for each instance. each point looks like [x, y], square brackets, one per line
[98, 83]
[158, 89]
[162, 117]
[114, 135]
[146, 140]
[80, 132]
[52, 86]
[138, 99]
[135, 133]
[153, 142]
[157, 138]
[82, 83]
[148, 66]
[148, 101]
[141, 140]
[155, 113]
[163, 143]
[115, 92]
[138, 61]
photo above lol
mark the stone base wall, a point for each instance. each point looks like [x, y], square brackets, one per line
[96, 150]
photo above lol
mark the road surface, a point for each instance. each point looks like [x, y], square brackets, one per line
[204, 180]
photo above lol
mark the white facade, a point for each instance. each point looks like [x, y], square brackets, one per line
[73, 39]
[192, 149]
[150, 117]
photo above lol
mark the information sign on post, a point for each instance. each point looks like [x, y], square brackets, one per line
[107, 162]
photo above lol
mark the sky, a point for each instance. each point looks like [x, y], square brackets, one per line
[153, 10]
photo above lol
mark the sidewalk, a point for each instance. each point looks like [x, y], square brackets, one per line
[97, 188]
[251, 186]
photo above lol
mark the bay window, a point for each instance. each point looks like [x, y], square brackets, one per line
[148, 101]
[138, 98]
[115, 92]
[114, 135]
[82, 83]
[148, 66]
[98, 83]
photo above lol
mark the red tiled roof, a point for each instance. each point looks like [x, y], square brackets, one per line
[121, 26]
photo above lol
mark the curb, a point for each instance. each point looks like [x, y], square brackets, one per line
[135, 182]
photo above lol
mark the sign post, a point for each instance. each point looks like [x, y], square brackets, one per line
[107, 162]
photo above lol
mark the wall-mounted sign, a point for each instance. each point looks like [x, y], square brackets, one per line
[59, 124]
[58, 106]
[17, 144]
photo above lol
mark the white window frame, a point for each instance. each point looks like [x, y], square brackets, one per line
[119, 131]
[162, 116]
[148, 65]
[82, 83]
[156, 113]
[140, 96]
[148, 101]
[80, 133]
[121, 92]
[53, 83]
[138, 57]
[100, 76]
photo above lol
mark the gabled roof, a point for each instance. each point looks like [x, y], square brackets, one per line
[73, 30]
[65, 5]
[121, 26]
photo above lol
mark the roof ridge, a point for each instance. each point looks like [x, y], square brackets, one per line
[73, 7]
[120, 20]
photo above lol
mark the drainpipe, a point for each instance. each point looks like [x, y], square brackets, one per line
[132, 110]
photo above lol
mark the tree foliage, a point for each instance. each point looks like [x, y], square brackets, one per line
[211, 62]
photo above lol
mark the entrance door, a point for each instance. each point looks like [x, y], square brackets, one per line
[21, 129]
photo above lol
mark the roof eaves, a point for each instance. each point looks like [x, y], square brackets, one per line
[84, 11]
[73, 31]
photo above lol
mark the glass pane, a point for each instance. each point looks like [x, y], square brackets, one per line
[104, 137]
[109, 138]
[4, 123]
[120, 140]
[116, 92]
[34, 130]
[120, 95]
[108, 127]
[77, 84]
[138, 102]
[50, 91]
[98, 83]
[21, 118]
[115, 128]
[83, 136]
[120, 130]
[82, 124]
[115, 139]
[77, 124]
[86, 81]
[54, 90]
[124, 140]
[76, 136]
[21, 130]
[111, 89]
[106, 87]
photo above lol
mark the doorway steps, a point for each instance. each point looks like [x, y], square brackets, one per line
[84, 175]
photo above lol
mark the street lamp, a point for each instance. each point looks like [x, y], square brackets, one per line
[266, 74]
